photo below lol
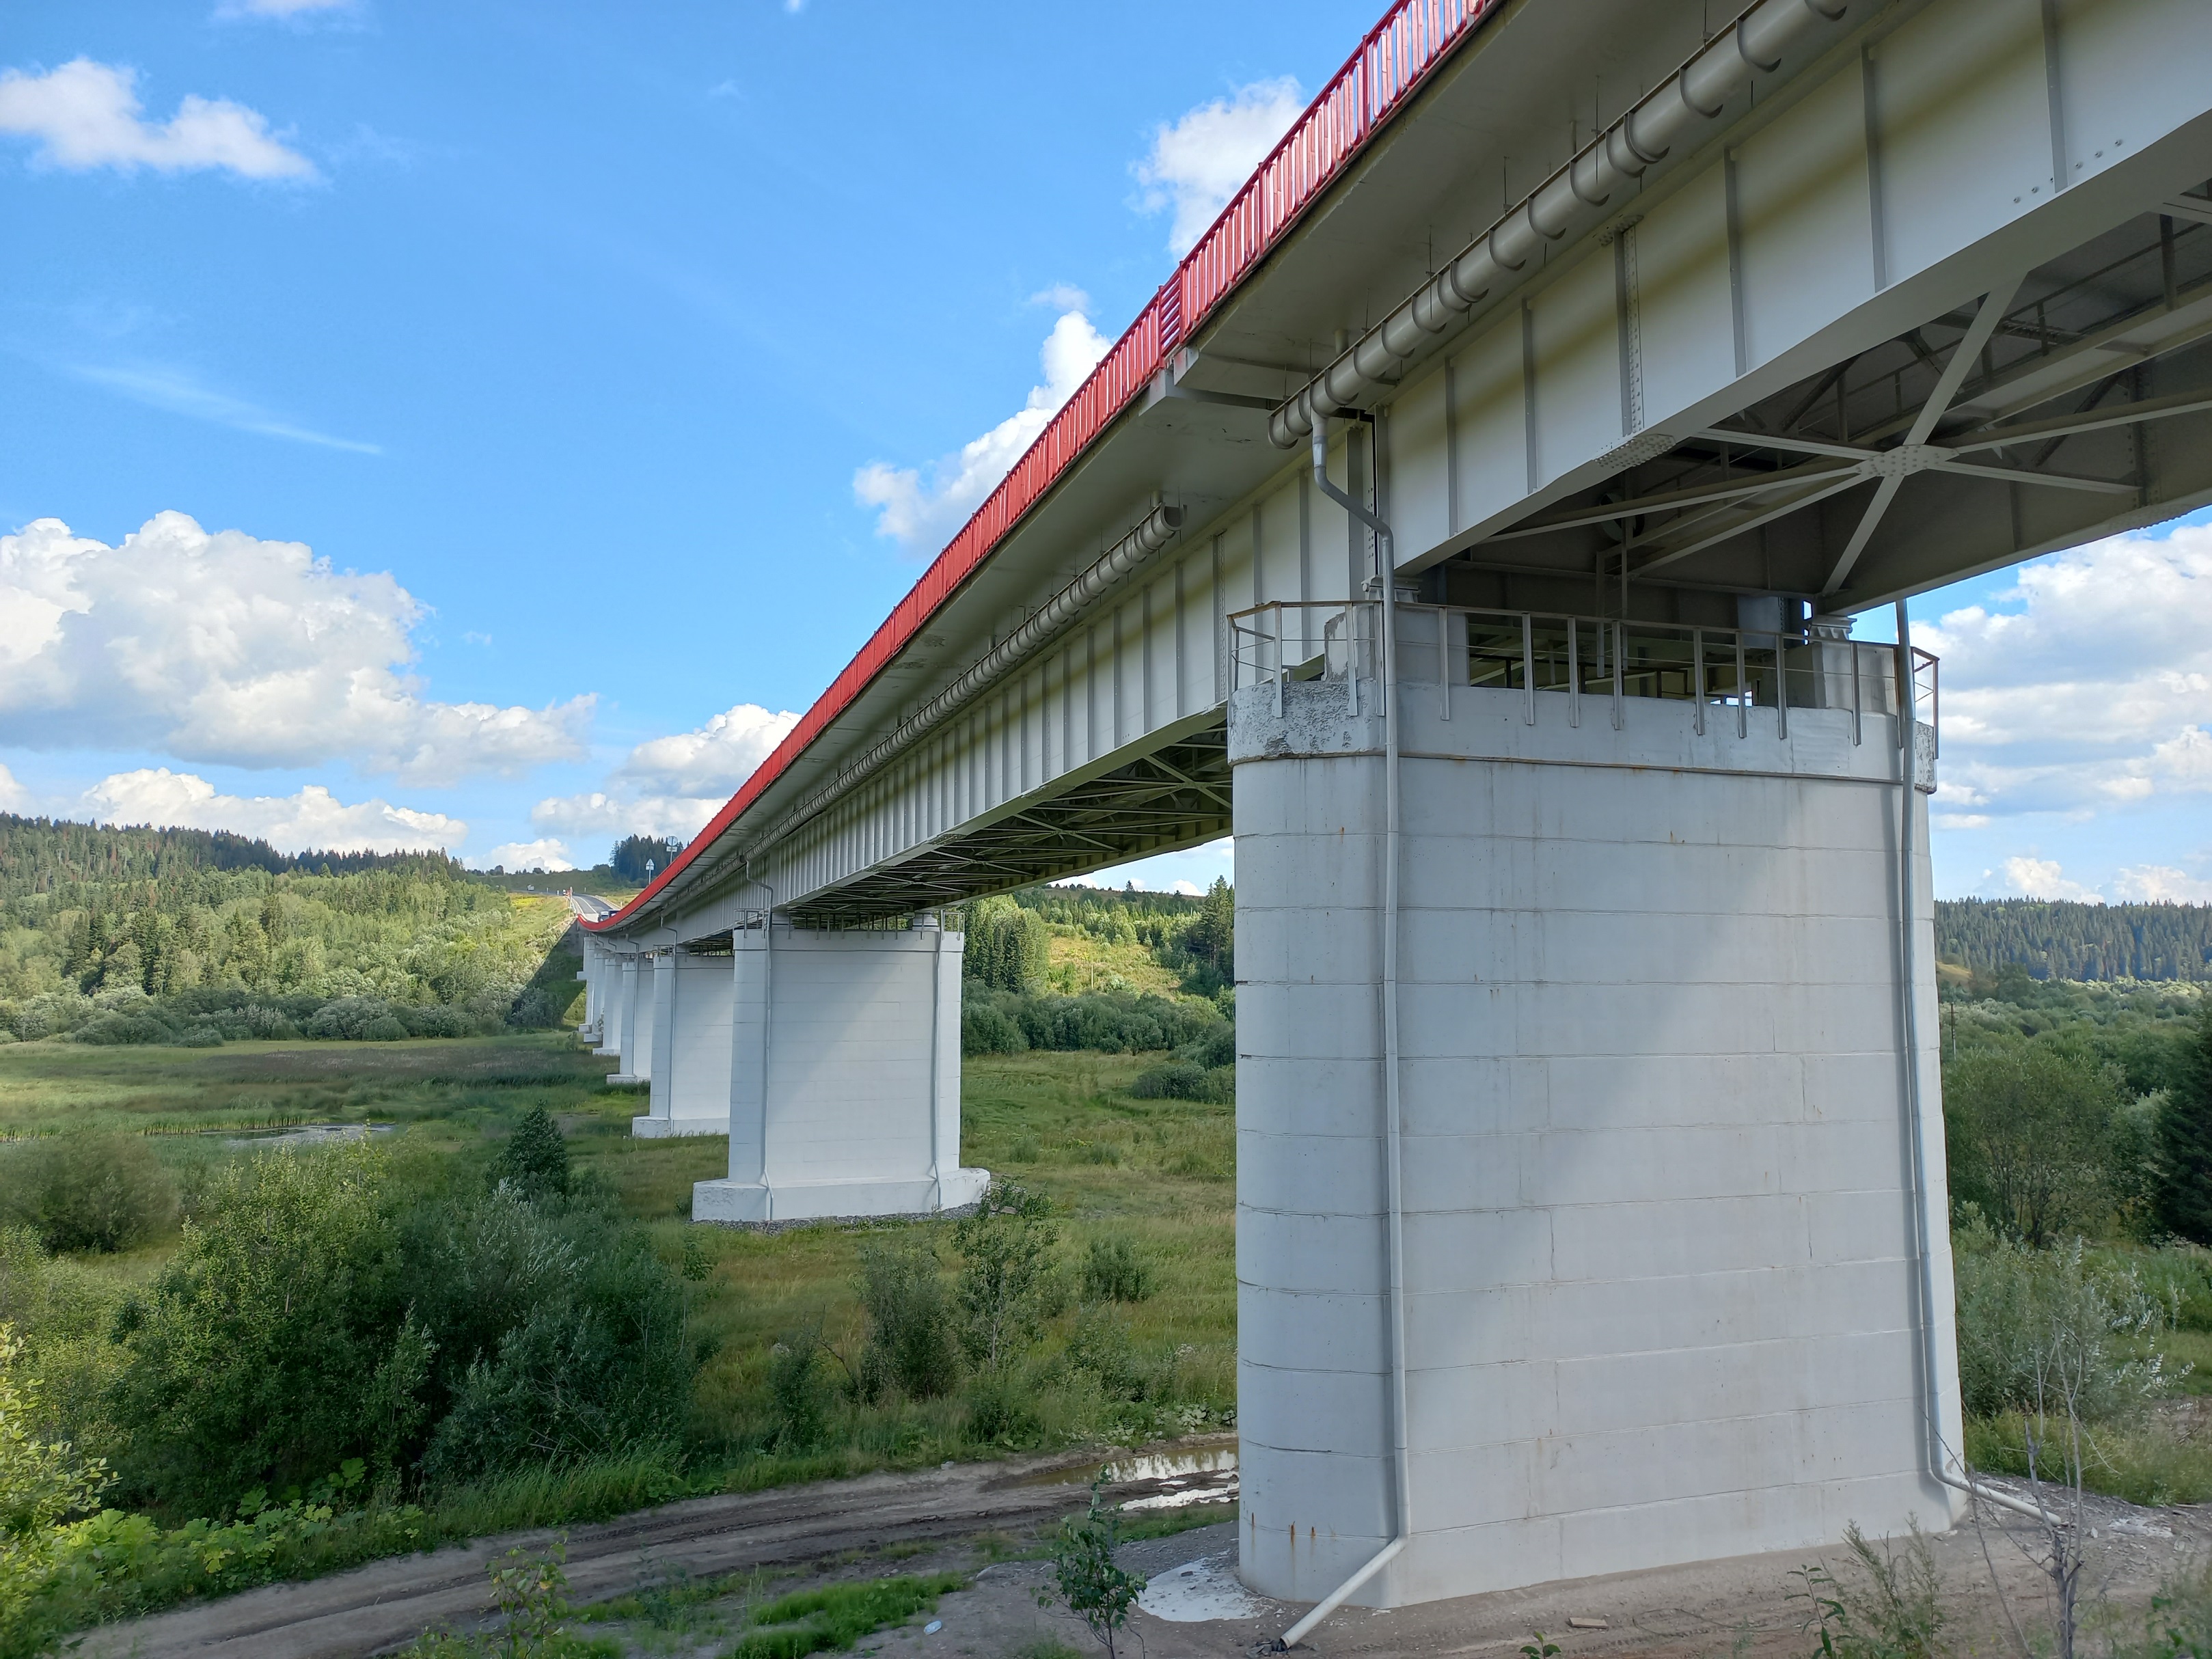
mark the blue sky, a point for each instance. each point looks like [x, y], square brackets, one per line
[621, 366]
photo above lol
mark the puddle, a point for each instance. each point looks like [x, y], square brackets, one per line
[1167, 1465]
[304, 1134]
[1200, 1591]
[1174, 1469]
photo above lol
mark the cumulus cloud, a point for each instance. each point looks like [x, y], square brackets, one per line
[2140, 884]
[671, 786]
[711, 760]
[14, 797]
[1197, 163]
[2042, 878]
[921, 508]
[313, 819]
[548, 854]
[2088, 688]
[2161, 883]
[86, 114]
[222, 647]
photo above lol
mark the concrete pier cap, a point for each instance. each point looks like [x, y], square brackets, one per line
[1661, 1282]
[843, 1080]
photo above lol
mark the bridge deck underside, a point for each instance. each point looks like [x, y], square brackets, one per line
[1177, 796]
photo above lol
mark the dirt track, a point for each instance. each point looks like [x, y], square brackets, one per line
[1742, 1608]
[390, 1602]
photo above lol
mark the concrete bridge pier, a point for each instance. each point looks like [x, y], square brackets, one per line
[694, 992]
[1661, 1282]
[592, 975]
[844, 1085]
[630, 1037]
[603, 1008]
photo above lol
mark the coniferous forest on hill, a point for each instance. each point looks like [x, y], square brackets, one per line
[2062, 939]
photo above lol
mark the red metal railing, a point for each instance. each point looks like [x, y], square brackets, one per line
[1414, 37]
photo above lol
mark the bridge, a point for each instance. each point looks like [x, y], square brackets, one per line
[1472, 525]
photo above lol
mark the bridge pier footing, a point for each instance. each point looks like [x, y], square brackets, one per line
[1661, 1286]
[844, 1085]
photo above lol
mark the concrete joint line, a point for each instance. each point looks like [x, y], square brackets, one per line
[1595, 766]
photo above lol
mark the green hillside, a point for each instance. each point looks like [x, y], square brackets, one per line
[145, 935]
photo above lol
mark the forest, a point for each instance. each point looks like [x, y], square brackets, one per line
[141, 935]
[2056, 938]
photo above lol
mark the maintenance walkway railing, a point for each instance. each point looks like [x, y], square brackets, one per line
[1597, 661]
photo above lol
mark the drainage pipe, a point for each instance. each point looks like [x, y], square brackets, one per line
[1577, 197]
[1386, 572]
[1153, 531]
[1924, 1222]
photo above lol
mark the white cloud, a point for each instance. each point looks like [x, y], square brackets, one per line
[283, 8]
[2091, 689]
[221, 648]
[2161, 883]
[86, 114]
[547, 854]
[14, 797]
[2042, 878]
[1196, 164]
[671, 786]
[1961, 820]
[1062, 296]
[176, 390]
[711, 760]
[313, 819]
[921, 514]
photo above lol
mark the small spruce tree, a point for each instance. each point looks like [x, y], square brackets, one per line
[535, 1161]
[2185, 1139]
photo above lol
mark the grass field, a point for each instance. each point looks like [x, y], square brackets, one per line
[1158, 1173]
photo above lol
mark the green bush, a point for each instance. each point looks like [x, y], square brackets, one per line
[1006, 1284]
[2030, 1131]
[798, 1391]
[1184, 1079]
[598, 1365]
[913, 1342]
[2185, 1130]
[42, 1483]
[88, 1192]
[1101, 1345]
[254, 1358]
[114, 1028]
[987, 1029]
[1113, 1273]
[2047, 1331]
[1000, 1410]
[319, 1309]
[536, 1157]
[1214, 1050]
